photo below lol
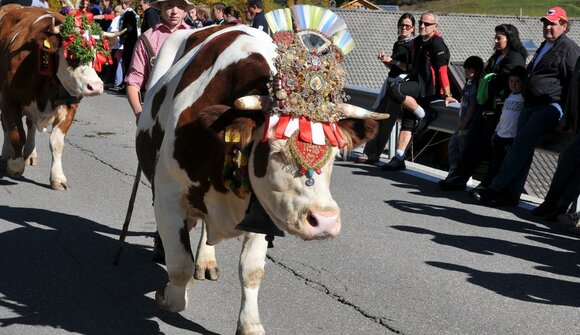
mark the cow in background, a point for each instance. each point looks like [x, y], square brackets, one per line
[203, 100]
[34, 78]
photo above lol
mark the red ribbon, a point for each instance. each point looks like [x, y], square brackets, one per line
[79, 17]
[329, 134]
[68, 41]
[99, 61]
[305, 129]
[331, 131]
[281, 126]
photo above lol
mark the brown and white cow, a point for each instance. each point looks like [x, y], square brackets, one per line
[28, 37]
[195, 94]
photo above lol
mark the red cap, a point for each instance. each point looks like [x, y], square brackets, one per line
[555, 14]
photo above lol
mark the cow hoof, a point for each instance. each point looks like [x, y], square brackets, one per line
[206, 270]
[171, 298]
[59, 185]
[15, 167]
[253, 330]
[31, 160]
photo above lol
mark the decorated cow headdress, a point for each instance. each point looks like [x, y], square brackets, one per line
[306, 94]
[307, 90]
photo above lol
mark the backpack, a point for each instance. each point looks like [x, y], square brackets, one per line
[483, 91]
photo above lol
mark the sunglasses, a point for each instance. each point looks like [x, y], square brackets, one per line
[427, 24]
[405, 26]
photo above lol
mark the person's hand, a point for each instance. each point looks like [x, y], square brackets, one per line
[449, 100]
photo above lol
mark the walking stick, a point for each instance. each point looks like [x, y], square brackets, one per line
[128, 216]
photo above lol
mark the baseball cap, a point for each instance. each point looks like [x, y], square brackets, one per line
[555, 14]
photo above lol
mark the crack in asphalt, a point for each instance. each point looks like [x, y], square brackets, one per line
[93, 156]
[322, 288]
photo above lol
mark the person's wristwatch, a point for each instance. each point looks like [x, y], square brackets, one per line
[448, 95]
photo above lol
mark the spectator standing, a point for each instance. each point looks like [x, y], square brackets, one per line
[117, 51]
[545, 91]
[95, 8]
[256, 9]
[473, 67]
[129, 38]
[150, 16]
[106, 8]
[507, 126]
[191, 19]
[232, 15]
[203, 15]
[428, 80]
[218, 13]
[397, 63]
[509, 53]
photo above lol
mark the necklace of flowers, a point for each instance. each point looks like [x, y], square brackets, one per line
[84, 42]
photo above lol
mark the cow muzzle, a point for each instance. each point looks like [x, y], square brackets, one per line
[322, 224]
[92, 88]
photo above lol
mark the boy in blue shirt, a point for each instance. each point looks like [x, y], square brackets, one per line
[473, 69]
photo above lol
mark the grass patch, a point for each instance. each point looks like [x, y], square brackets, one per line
[499, 7]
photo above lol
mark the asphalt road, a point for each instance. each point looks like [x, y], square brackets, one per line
[410, 259]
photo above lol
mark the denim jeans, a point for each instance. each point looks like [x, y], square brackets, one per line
[533, 124]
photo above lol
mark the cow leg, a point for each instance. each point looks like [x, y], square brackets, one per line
[205, 261]
[6, 150]
[14, 138]
[251, 272]
[62, 122]
[172, 224]
[30, 155]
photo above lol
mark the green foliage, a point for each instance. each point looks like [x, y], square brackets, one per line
[501, 7]
[54, 4]
[77, 47]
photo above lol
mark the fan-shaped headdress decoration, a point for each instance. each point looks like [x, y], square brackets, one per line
[308, 88]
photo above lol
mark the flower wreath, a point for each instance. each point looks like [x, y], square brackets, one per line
[83, 41]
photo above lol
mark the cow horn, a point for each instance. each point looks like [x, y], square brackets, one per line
[253, 102]
[115, 34]
[352, 111]
[54, 28]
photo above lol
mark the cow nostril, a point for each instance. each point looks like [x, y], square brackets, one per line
[90, 88]
[312, 220]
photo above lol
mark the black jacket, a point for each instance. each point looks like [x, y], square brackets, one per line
[402, 51]
[571, 119]
[428, 57]
[549, 80]
[502, 69]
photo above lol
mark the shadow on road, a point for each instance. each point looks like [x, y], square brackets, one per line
[560, 256]
[57, 272]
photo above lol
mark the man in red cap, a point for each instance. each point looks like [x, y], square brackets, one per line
[545, 91]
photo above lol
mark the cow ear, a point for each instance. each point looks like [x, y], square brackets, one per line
[231, 124]
[358, 131]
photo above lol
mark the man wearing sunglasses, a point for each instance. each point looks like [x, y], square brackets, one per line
[427, 81]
